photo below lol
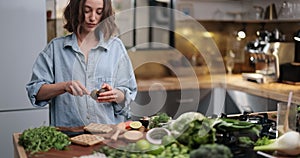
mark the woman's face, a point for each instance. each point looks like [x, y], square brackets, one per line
[92, 15]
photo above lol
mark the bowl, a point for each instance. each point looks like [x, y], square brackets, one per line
[155, 135]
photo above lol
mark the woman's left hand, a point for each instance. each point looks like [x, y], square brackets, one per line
[110, 95]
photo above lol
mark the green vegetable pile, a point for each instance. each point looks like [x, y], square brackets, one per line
[193, 129]
[43, 139]
[158, 119]
[197, 133]
[194, 135]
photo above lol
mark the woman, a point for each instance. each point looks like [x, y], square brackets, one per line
[70, 67]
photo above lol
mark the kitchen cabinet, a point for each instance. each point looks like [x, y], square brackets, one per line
[214, 95]
[18, 121]
[172, 102]
[206, 101]
[239, 102]
[181, 101]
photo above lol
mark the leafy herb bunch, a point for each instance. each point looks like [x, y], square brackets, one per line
[43, 139]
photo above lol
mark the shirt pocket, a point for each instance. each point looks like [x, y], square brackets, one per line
[102, 80]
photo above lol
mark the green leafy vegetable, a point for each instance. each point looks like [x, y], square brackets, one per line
[197, 133]
[243, 127]
[193, 129]
[232, 124]
[181, 123]
[263, 141]
[288, 141]
[43, 139]
[211, 150]
[158, 119]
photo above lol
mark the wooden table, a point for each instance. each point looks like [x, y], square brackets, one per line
[72, 150]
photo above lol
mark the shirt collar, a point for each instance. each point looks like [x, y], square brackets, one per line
[71, 41]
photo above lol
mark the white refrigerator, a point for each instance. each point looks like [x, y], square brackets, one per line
[23, 34]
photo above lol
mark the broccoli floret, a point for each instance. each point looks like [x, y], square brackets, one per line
[214, 150]
[197, 133]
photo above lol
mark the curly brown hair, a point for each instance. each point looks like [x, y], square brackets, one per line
[74, 16]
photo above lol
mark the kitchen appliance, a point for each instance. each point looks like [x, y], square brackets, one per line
[266, 53]
[290, 72]
[266, 60]
[231, 138]
[23, 36]
[260, 118]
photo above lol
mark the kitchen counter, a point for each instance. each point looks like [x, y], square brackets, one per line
[276, 91]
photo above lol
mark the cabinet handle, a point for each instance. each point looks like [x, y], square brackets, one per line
[184, 101]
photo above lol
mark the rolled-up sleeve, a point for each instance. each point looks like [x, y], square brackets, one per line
[126, 82]
[42, 73]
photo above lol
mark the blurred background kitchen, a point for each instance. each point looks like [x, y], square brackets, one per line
[244, 31]
[232, 24]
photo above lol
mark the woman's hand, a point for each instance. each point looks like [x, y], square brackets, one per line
[48, 91]
[111, 95]
[76, 88]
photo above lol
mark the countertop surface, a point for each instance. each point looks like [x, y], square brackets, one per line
[276, 91]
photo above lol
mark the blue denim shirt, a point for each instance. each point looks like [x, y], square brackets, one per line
[62, 60]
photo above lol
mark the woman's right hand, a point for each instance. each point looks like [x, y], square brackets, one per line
[75, 88]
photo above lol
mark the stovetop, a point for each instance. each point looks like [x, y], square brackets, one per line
[231, 138]
[268, 125]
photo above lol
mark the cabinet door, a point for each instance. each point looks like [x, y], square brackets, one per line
[239, 102]
[172, 102]
[17, 122]
[181, 101]
[148, 103]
